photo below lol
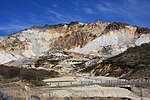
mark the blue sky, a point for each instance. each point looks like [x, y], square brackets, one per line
[19, 14]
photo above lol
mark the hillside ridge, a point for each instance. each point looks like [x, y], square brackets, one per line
[100, 38]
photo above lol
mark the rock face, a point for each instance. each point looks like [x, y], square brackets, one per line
[101, 38]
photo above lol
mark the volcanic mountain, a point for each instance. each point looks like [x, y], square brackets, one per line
[103, 39]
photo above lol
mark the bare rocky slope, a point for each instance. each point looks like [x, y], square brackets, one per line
[70, 49]
[99, 38]
[133, 63]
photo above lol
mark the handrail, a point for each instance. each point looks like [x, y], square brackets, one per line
[108, 82]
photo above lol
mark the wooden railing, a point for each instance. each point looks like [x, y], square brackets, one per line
[99, 82]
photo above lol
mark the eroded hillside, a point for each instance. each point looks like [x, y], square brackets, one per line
[133, 63]
[100, 38]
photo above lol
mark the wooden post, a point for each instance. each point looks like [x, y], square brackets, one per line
[71, 83]
[141, 94]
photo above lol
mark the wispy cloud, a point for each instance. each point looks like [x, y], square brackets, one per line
[14, 25]
[130, 9]
[123, 7]
[50, 14]
[62, 17]
[55, 5]
[56, 14]
[89, 10]
[76, 3]
[108, 8]
[36, 4]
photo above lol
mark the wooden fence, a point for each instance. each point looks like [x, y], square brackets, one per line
[99, 82]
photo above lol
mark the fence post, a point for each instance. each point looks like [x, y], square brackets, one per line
[141, 94]
[71, 83]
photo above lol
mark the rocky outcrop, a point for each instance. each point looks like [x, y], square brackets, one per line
[100, 38]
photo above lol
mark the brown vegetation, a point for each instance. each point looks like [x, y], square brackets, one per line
[24, 73]
[135, 59]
